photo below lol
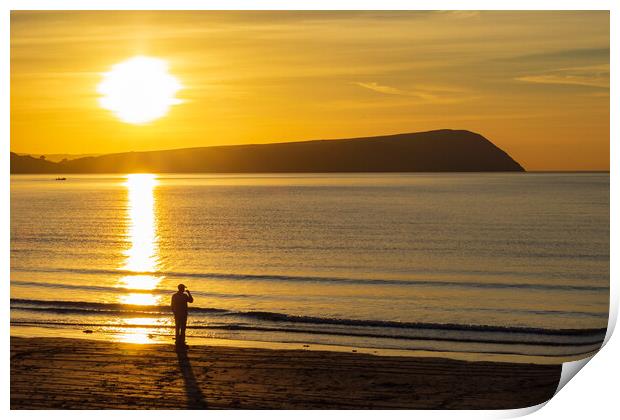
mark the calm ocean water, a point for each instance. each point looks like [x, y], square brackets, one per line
[470, 264]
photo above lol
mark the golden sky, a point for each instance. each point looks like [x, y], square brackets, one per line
[534, 83]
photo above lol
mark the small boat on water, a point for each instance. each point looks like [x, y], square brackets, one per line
[61, 178]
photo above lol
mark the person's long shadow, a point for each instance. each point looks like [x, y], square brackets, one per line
[195, 398]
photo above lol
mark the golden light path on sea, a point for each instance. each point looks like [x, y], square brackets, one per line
[142, 256]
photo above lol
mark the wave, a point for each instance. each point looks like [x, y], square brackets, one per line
[330, 280]
[87, 287]
[115, 289]
[276, 317]
[237, 327]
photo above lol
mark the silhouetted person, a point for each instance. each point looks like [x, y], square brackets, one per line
[179, 308]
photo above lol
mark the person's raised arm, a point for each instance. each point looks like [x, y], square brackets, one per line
[190, 299]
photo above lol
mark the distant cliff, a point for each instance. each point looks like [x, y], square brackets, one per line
[432, 151]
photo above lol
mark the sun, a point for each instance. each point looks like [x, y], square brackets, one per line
[139, 90]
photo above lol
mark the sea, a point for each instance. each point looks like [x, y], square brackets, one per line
[474, 266]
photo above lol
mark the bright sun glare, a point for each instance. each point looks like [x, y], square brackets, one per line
[139, 90]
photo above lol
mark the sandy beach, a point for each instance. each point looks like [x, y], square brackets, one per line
[56, 373]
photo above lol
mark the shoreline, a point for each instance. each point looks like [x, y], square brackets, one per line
[146, 335]
[50, 373]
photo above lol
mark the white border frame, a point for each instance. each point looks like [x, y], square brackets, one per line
[593, 394]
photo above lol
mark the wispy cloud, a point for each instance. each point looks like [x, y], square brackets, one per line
[388, 90]
[592, 76]
[426, 93]
[459, 14]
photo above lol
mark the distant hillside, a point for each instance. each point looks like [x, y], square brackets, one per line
[29, 165]
[57, 157]
[432, 151]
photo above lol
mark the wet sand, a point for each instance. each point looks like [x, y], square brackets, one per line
[57, 373]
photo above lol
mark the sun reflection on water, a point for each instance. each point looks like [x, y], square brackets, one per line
[141, 331]
[142, 256]
[135, 335]
[142, 259]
